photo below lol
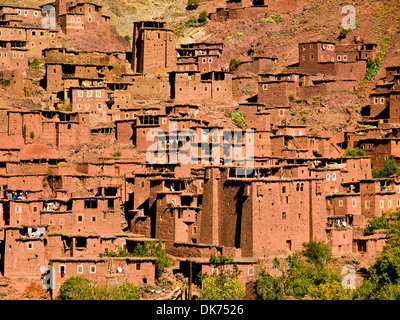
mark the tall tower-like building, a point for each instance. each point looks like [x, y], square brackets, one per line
[153, 47]
[61, 7]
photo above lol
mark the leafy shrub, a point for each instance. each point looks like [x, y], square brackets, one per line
[343, 33]
[224, 285]
[116, 154]
[354, 152]
[305, 111]
[75, 288]
[273, 18]
[65, 106]
[276, 17]
[120, 252]
[390, 168]
[376, 223]
[330, 291]
[203, 16]
[154, 249]
[80, 288]
[268, 287]
[192, 4]
[373, 67]
[318, 252]
[34, 63]
[234, 64]
[268, 20]
[238, 118]
[191, 22]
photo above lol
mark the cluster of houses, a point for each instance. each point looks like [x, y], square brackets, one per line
[69, 213]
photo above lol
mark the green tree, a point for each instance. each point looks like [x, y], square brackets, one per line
[268, 287]
[123, 291]
[318, 252]
[238, 118]
[330, 291]
[376, 223]
[222, 286]
[373, 67]
[80, 288]
[154, 249]
[390, 168]
[383, 282]
[354, 152]
[75, 288]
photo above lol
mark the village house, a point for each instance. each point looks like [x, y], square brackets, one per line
[153, 47]
[262, 202]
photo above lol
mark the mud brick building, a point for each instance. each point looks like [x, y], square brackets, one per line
[247, 267]
[384, 100]
[79, 16]
[213, 86]
[150, 86]
[153, 47]
[240, 9]
[24, 16]
[259, 204]
[335, 59]
[380, 149]
[105, 270]
[58, 129]
[202, 57]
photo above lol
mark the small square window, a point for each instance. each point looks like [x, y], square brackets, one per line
[79, 269]
[92, 269]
